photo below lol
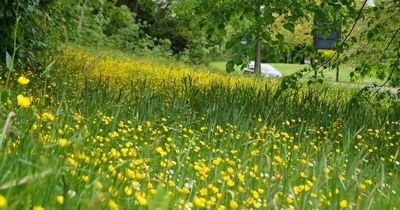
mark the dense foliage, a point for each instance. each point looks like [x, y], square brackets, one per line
[141, 27]
[24, 27]
[375, 46]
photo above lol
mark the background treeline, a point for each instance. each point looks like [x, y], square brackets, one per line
[138, 26]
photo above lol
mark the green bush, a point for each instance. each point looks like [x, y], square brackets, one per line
[108, 25]
[25, 27]
[121, 28]
[199, 51]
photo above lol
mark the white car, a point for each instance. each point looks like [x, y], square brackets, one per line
[266, 70]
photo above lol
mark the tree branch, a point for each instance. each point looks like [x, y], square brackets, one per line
[395, 68]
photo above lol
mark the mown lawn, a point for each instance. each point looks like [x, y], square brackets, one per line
[287, 69]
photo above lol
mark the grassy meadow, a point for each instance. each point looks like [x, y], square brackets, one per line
[102, 130]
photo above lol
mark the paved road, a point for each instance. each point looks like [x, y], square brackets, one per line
[353, 85]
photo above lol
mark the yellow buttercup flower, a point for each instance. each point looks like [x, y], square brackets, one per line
[233, 204]
[343, 204]
[113, 205]
[23, 80]
[63, 142]
[60, 199]
[23, 101]
[141, 199]
[3, 202]
[38, 208]
[289, 200]
[48, 116]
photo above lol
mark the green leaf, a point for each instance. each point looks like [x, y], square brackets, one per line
[289, 27]
[160, 200]
[9, 61]
[230, 66]
[221, 26]
[238, 61]
[210, 31]
[280, 37]
[230, 43]
[48, 68]
[243, 66]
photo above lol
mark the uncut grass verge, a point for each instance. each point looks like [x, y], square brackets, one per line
[126, 133]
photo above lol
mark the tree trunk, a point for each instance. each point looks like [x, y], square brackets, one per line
[315, 69]
[257, 60]
[135, 8]
[337, 69]
[80, 20]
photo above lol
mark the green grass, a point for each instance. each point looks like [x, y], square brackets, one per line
[287, 69]
[172, 140]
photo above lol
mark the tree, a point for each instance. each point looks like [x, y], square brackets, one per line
[81, 15]
[374, 47]
[163, 19]
[260, 16]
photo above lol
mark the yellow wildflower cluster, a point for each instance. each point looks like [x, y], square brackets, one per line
[157, 74]
[159, 143]
[23, 101]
